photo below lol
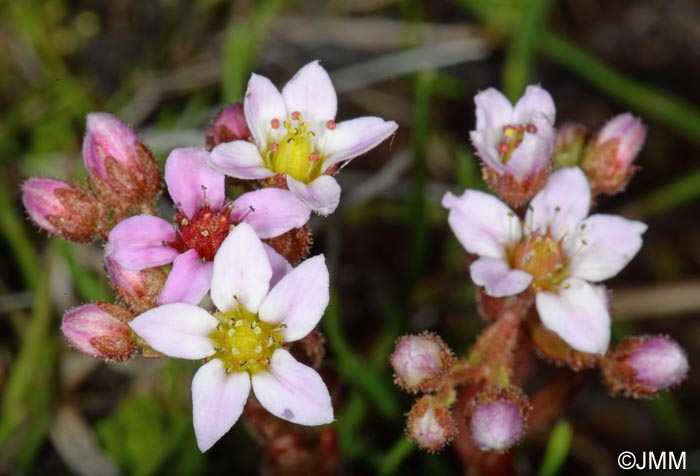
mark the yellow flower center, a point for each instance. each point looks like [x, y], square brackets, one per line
[544, 259]
[295, 154]
[243, 342]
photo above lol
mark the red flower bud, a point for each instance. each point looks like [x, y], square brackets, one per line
[100, 330]
[420, 362]
[228, 126]
[430, 424]
[59, 207]
[641, 366]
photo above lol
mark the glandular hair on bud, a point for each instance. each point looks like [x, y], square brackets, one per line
[642, 366]
[430, 424]
[497, 418]
[100, 330]
[420, 362]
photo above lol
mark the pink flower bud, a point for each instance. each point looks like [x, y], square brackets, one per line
[497, 418]
[138, 289]
[430, 424]
[228, 126]
[59, 207]
[641, 366]
[121, 167]
[609, 161]
[569, 145]
[100, 330]
[420, 361]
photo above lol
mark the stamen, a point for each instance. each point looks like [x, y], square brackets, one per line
[296, 115]
[330, 125]
[275, 123]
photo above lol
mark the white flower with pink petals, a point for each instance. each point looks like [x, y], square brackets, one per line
[294, 133]
[243, 343]
[515, 140]
[202, 222]
[558, 251]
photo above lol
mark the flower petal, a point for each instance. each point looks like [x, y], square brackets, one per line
[240, 159]
[482, 223]
[293, 391]
[141, 242]
[311, 92]
[578, 313]
[536, 100]
[531, 156]
[497, 278]
[561, 205]
[270, 211]
[188, 281]
[242, 271]
[280, 266]
[352, 138]
[322, 195]
[191, 182]
[299, 299]
[487, 152]
[602, 246]
[493, 111]
[263, 103]
[178, 330]
[217, 401]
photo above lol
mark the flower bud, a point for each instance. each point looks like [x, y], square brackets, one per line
[138, 289]
[641, 366]
[497, 418]
[420, 362]
[59, 207]
[430, 424]
[293, 245]
[569, 145]
[228, 126]
[100, 330]
[122, 169]
[608, 163]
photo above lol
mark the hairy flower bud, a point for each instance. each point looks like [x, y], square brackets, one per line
[122, 169]
[641, 366]
[59, 207]
[420, 362]
[569, 145]
[293, 245]
[430, 424]
[497, 418]
[100, 330]
[608, 163]
[138, 289]
[228, 126]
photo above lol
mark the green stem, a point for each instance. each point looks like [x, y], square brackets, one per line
[390, 463]
[12, 227]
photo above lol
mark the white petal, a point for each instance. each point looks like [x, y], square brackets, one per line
[493, 111]
[352, 138]
[263, 103]
[177, 330]
[578, 313]
[487, 152]
[299, 299]
[561, 205]
[482, 223]
[497, 278]
[280, 266]
[311, 92]
[242, 271]
[293, 391]
[240, 159]
[217, 401]
[536, 100]
[602, 246]
[321, 195]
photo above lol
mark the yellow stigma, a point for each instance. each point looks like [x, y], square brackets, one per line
[544, 259]
[243, 342]
[294, 154]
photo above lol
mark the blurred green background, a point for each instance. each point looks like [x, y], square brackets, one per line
[167, 66]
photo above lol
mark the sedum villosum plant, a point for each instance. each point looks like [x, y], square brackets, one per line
[538, 258]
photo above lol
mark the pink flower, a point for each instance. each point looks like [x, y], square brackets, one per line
[515, 140]
[243, 342]
[295, 133]
[558, 251]
[202, 222]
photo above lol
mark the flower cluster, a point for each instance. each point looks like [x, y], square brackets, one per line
[283, 149]
[538, 257]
